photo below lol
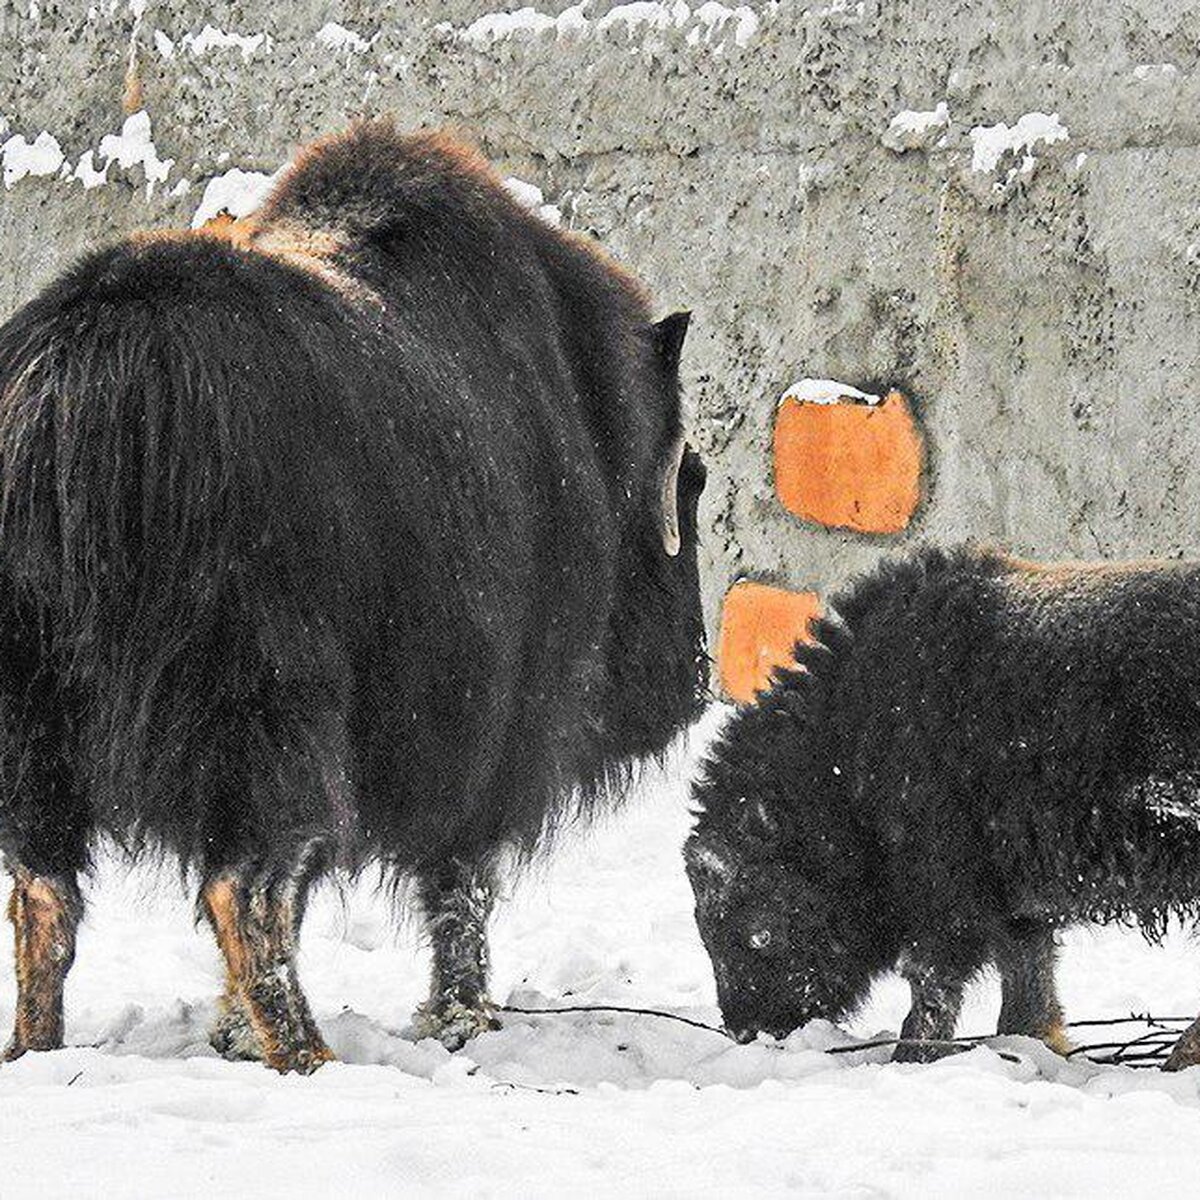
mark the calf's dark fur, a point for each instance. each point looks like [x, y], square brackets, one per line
[974, 752]
[359, 530]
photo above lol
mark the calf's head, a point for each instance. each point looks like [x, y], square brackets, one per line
[788, 941]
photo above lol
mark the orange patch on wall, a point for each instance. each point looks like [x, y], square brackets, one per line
[759, 627]
[849, 465]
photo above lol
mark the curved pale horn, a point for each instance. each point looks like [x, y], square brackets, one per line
[711, 856]
[764, 822]
[669, 497]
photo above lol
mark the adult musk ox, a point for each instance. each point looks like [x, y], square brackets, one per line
[360, 531]
[974, 752]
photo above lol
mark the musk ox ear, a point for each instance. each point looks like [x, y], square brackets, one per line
[668, 496]
[668, 339]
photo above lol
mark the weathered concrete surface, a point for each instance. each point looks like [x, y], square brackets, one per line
[1048, 326]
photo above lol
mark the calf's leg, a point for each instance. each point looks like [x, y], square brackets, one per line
[457, 897]
[1029, 999]
[937, 981]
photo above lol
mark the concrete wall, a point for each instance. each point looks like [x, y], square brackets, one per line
[1042, 311]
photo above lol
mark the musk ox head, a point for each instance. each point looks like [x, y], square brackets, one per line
[788, 941]
[656, 664]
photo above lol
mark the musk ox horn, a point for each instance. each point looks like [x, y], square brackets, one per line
[669, 497]
[761, 820]
[712, 856]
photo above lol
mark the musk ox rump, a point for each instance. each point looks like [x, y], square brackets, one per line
[360, 530]
[974, 752]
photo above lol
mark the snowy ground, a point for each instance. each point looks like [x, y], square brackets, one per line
[590, 1104]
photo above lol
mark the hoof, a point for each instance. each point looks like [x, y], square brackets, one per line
[1055, 1038]
[232, 1038]
[925, 1052]
[1186, 1052]
[19, 1046]
[453, 1024]
[13, 1051]
[1179, 1062]
[302, 1060]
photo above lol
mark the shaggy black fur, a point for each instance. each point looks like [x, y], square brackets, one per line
[339, 536]
[974, 752]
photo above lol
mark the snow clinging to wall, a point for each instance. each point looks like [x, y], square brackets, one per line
[704, 25]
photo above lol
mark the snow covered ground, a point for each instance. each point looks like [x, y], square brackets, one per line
[589, 1104]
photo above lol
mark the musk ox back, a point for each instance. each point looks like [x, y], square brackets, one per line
[974, 752]
[362, 529]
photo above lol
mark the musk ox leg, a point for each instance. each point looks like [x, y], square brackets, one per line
[937, 986]
[256, 915]
[1029, 1003]
[45, 828]
[44, 911]
[457, 898]
[1186, 1051]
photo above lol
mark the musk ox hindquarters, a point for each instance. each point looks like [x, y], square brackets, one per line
[359, 530]
[973, 752]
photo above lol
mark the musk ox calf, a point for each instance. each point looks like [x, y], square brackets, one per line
[358, 531]
[974, 752]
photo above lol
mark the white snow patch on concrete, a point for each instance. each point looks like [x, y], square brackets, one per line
[916, 129]
[134, 147]
[713, 18]
[705, 25]
[212, 38]
[495, 27]
[657, 14]
[990, 143]
[573, 22]
[1145, 71]
[826, 391]
[22, 158]
[851, 10]
[236, 192]
[85, 171]
[530, 195]
[338, 38]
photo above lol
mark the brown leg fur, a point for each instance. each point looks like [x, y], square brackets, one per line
[44, 911]
[264, 1013]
